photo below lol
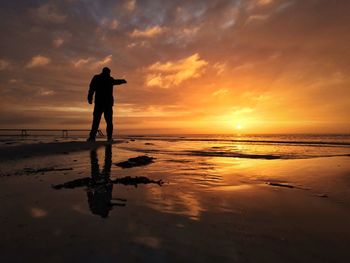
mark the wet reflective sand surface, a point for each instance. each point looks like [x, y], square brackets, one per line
[80, 206]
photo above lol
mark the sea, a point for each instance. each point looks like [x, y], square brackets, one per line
[253, 146]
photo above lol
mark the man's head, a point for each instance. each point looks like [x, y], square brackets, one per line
[106, 71]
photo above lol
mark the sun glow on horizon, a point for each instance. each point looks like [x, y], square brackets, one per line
[238, 126]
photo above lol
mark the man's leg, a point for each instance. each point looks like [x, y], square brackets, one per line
[96, 121]
[108, 114]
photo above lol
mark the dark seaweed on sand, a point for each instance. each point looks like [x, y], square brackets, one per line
[89, 182]
[136, 161]
[281, 185]
[136, 180]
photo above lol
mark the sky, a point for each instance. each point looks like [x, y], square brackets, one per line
[208, 66]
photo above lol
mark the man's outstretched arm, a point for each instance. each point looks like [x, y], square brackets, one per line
[119, 81]
[92, 89]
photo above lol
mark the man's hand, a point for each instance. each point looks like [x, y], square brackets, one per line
[89, 100]
[119, 81]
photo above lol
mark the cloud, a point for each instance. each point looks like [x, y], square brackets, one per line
[93, 62]
[229, 23]
[61, 37]
[12, 81]
[183, 35]
[49, 13]
[45, 92]
[220, 67]
[265, 2]
[114, 24]
[103, 62]
[256, 18]
[284, 6]
[38, 61]
[130, 5]
[4, 64]
[148, 33]
[111, 24]
[173, 73]
[81, 62]
[57, 42]
[244, 66]
[220, 92]
[243, 111]
[189, 31]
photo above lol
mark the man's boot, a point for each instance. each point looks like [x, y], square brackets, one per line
[91, 139]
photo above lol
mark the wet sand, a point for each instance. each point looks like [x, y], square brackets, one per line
[208, 209]
[42, 149]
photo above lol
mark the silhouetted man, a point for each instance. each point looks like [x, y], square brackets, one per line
[102, 86]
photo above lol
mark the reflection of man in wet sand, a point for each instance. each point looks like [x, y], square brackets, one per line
[100, 189]
[99, 185]
[102, 86]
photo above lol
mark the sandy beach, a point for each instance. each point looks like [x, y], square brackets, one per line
[76, 204]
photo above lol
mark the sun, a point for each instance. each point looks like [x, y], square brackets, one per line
[238, 126]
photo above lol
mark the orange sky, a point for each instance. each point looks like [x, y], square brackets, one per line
[254, 66]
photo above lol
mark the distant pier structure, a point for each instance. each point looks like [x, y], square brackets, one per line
[26, 132]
